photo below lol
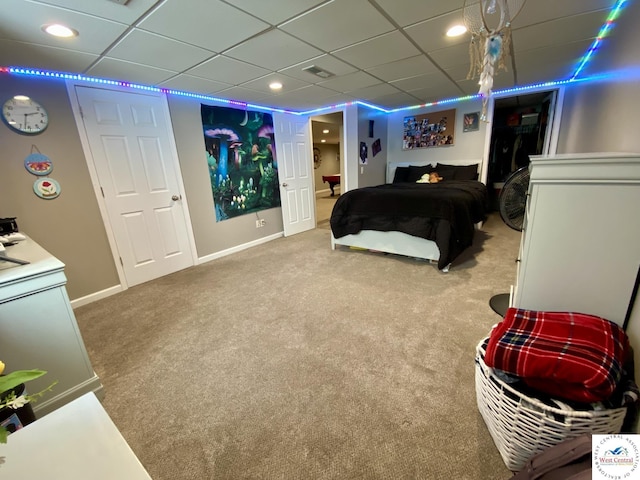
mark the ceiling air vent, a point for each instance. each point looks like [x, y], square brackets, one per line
[318, 71]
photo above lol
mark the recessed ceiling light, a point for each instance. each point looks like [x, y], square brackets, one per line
[323, 141]
[58, 30]
[275, 86]
[326, 130]
[21, 97]
[456, 31]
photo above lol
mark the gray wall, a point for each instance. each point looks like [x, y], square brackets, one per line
[467, 146]
[374, 173]
[70, 227]
[601, 116]
[210, 236]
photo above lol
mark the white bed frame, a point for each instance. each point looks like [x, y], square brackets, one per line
[397, 242]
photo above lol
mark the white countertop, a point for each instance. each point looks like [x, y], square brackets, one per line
[75, 442]
[40, 260]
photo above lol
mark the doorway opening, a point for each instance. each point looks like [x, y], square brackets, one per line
[326, 136]
[521, 128]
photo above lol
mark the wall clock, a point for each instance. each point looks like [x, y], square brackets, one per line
[25, 115]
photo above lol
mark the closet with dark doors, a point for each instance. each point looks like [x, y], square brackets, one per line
[519, 129]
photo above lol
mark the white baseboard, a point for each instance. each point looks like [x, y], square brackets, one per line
[92, 297]
[78, 302]
[239, 248]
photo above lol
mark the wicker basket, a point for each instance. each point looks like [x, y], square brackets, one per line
[522, 426]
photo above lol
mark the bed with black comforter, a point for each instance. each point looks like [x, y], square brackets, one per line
[444, 212]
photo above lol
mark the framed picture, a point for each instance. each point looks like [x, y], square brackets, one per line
[434, 129]
[471, 122]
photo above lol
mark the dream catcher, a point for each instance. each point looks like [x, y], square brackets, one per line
[489, 22]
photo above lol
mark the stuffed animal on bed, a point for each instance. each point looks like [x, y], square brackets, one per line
[432, 177]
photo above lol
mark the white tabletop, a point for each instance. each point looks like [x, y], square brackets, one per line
[75, 442]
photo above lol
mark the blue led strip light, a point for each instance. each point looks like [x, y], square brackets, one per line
[604, 31]
[608, 25]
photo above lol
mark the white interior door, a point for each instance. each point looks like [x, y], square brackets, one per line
[295, 173]
[128, 135]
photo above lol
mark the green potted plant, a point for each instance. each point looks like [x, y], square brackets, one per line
[13, 394]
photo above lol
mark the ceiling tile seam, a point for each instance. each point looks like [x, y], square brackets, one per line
[326, 52]
[222, 52]
[414, 43]
[306, 12]
[605, 11]
[130, 28]
[426, 19]
[298, 15]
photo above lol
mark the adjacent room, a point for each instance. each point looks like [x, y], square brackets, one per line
[249, 239]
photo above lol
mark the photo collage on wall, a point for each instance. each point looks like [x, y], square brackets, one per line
[434, 129]
[241, 158]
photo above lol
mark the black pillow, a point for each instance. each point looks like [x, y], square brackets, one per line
[400, 174]
[458, 172]
[416, 172]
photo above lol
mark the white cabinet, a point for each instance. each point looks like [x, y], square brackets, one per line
[38, 328]
[76, 442]
[581, 245]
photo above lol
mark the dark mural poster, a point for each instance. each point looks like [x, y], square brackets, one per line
[241, 156]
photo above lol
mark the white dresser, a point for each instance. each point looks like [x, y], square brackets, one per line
[76, 442]
[38, 328]
[581, 243]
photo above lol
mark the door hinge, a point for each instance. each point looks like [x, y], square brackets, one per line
[121, 262]
[102, 191]
[81, 112]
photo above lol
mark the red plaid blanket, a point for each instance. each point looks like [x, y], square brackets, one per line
[573, 356]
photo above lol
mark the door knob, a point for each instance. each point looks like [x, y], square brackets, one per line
[175, 198]
[285, 184]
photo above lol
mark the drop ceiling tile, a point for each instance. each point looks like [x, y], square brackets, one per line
[353, 81]
[326, 62]
[431, 34]
[338, 24]
[375, 91]
[273, 50]
[275, 11]
[227, 70]
[244, 95]
[189, 83]
[310, 95]
[469, 87]
[22, 21]
[18, 54]
[377, 51]
[564, 30]
[550, 70]
[129, 72]
[459, 72]
[419, 81]
[550, 63]
[569, 54]
[148, 48]
[209, 24]
[396, 100]
[110, 10]
[407, 12]
[451, 56]
[409, 67]
[545, 10]
[434, 93]
[262, 84]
